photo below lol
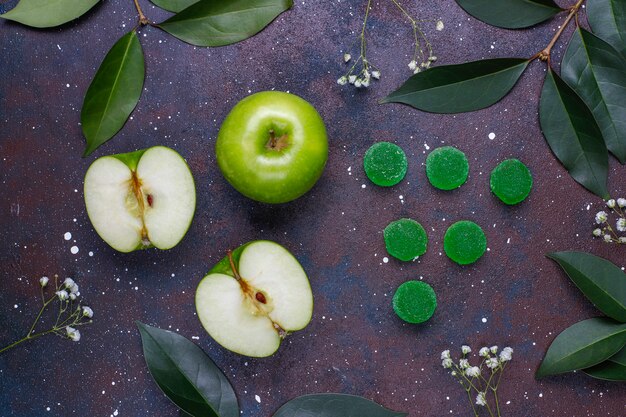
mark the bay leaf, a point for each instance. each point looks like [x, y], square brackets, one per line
[613, 369]
[187, 376]
[460, 88]
[607, 19]
[601, 281]
[48, 13]
[334, 405]
[511, 14]
[223, 22]
[573, 134]
[174, 5]
[583, 345]
[114, 92]
[597, 72]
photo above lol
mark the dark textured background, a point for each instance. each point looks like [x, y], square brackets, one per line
[355, 344]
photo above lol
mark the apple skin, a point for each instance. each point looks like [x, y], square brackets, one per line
[266, 174]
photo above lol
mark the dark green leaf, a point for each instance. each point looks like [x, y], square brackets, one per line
[460, 88]
[613, 369]
[48, 13]
[187, 375]
[114, 92]
[598, 74]
[334, 405]
[222, 22]
[585, 344]
[510, 14]
[608, 20]
[602, 282]
[573, 134]
[174, 5]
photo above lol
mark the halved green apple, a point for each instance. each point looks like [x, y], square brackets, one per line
[253, 298]
[140, 199]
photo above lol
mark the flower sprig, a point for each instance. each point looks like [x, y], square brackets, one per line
[70, 315]
[605, 230]
[361, 71]
[480, 382]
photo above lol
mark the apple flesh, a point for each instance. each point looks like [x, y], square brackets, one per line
[272, 147]
[140, 199]
[252, 299]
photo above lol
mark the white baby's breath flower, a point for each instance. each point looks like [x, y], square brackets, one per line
[347, 57]
[43, 281]
[484, 352]
[446, 363]
[473, 371]
[432, 58]
[621, 225]
[358, 83]
[439, 26]
[492, 363]
[453, 373]
[417, 70]
[376, 74]
[87, 312]
[445, 354]
[63, 295]
[366, 82]
[480, 399]
[597, 232]
[506, 355]
[610, 203]
[464, 364]
[72, 296]
[601, 217]
[608, 238]
[73, 334]
[622, 239]
[412, 65]
[352, 79]
[494, 349]
[621, 202]
[74, 289]
[466, 349]
[68, 282]
[342, 80]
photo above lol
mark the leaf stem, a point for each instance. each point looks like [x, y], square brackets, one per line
[544, 54]
[143, 20]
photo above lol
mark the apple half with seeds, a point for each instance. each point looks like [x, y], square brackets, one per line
[140, 199]
[254, 297]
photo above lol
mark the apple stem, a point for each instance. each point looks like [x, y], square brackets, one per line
[232, 265]
[272, 143]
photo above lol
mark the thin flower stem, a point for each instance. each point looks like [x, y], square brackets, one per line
[469, 396]
[544, 54]
[363, 42]
[45, 304]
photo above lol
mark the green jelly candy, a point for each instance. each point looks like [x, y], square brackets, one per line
[414, 301]
[447, 168]
[464, 242]
[511, 181]
[405, 239]
[385, 164]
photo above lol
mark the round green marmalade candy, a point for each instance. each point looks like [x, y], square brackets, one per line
[447, 168]
[414, 302]
[511, 181]
[405, 239]
[385, 164]
[464, 242]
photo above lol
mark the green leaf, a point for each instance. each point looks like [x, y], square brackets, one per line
[334, 405]
[573, 134]
[511, 14]
[613, 369]
[174, 5]
[598, 74]
[602, 282]
[607, 19]
[582, 345]
[114, 92]
[222, 22]
[460, 88]
[187, 375]
[48, 13]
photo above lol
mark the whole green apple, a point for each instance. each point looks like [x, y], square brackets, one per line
[272, 147]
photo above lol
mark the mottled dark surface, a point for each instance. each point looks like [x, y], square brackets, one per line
[355, 344]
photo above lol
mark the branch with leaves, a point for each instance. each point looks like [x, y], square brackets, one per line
[582, 112]
[118, 83]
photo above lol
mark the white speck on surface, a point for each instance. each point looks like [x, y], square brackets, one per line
[47, 408]
[90, 253]
[67, 85]
[15, 306]
[363, 186]
[484, 320]
[491, 136]
[115, 413]
[426, 146]
[257, 398]
[74, 250]
[67, 236]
